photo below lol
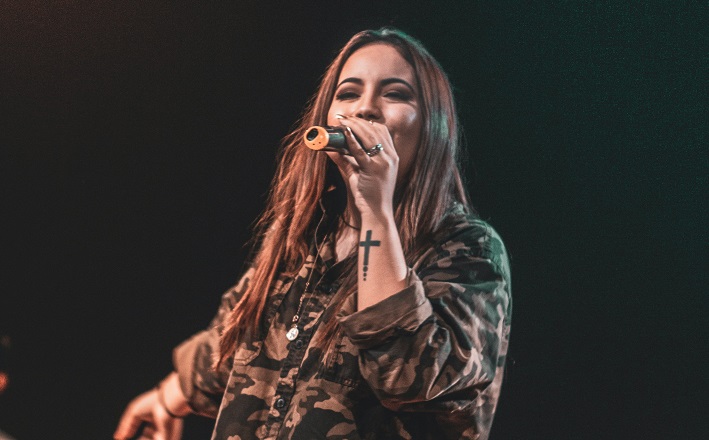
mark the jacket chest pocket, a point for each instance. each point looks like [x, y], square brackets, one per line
[246, 352]
[341, 363]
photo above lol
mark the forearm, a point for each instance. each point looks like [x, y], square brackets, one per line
[453, 343]
[450, 324]
[381, 268]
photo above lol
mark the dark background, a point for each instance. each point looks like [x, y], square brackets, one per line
[138, 142]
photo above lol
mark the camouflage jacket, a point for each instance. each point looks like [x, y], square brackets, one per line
[425, 363]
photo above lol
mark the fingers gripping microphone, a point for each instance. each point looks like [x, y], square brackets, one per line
[326, 139]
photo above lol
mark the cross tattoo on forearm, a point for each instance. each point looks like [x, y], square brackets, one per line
[366, 244]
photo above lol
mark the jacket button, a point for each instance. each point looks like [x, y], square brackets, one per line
[299, 344]
[280, 403]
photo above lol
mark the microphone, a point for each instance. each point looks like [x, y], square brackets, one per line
[326, 138]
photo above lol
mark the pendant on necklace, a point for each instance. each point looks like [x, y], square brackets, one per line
[292, 333]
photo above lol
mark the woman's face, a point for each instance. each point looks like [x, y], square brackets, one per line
[376, 83]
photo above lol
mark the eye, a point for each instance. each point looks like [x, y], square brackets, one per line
[398, 95]
[346, 95]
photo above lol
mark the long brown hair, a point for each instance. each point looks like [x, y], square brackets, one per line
[284, 231]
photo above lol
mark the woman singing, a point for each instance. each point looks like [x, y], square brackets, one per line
[376, 305]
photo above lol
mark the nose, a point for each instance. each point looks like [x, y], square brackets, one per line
[368, 108]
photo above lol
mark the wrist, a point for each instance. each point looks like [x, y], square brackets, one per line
[384, 216]
[171, 399]
[161, 401]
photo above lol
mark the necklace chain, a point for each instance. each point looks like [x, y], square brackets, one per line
[294, 331]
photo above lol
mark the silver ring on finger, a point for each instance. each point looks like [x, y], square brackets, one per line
[374, 150]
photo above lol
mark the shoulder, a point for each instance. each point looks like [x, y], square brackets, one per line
[462, 234]
[465, 228]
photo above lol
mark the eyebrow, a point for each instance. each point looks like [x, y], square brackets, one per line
[384, 82]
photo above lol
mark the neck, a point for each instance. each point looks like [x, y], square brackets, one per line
[346, 242]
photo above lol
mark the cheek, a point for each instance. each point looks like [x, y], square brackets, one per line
[408, 142]
[413, 121]
[409, 129]
[405, 121]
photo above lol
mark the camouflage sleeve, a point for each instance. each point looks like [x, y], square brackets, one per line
[437, 344]
[193, 359]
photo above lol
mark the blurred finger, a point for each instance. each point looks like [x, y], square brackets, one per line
[167, 427]
[175, 430]
[128, 425]
[148, 433]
